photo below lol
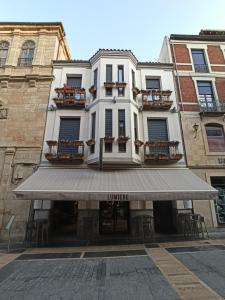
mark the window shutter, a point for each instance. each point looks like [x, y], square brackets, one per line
[157, 130]
[108, 73]
[69, 130]
[74, 81]
[108, 122]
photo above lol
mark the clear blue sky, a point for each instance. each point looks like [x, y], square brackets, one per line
[121, 24]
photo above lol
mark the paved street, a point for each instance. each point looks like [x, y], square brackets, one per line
[191, 270]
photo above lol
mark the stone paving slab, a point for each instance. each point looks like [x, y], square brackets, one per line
[127, 278]
[195, 248]
[209, 266]
[48, 256]
[188, 285]
[114, 253]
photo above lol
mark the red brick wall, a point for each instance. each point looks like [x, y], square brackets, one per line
[215, 55]
[218, 68]
[184, 67]
[191, 107]
[220, 87]
[188, 89]
[181, 53]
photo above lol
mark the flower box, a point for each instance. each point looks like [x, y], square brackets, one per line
[51, 143]
[138, 143]
[150, 156]
[175, 156]
[163, 156]
[122, 139]
[92, 89]
[109, 139]
[65, 156]
[90, 142]
[121, 84]
[136, 91]
[51, 156]
[109, 84]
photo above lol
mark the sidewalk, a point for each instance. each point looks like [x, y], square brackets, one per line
[162, 255]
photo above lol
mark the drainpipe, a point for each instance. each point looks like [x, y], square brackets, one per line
[181, 100]
[101, 154]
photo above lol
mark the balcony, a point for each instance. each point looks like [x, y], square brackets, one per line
[211, 108]
[23, 62]
[68, 97]
[156, 100]
[201, 68]
[65, 151]
[161, 152]
[2, 61]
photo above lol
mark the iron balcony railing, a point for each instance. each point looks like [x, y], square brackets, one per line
[211, 106]
[69, 97]
[25, 61]
[2, 62]
[65, 150]
[201, 68]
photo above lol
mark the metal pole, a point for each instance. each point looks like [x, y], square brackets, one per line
[101, 154]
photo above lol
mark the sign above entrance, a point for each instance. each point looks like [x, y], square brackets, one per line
[118, 197]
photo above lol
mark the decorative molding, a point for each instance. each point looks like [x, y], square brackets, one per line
[4, 84]
[3, 111]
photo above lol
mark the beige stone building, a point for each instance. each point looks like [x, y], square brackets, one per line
[26, 54]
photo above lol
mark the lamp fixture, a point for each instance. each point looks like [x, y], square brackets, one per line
[195, 127]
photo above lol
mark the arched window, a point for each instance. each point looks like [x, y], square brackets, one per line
[4, 47]
[215, 136]
[27, 54]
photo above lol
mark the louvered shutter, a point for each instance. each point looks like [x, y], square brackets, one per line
[108, 122]
[157, 131]
[74, 81]
[69, 130]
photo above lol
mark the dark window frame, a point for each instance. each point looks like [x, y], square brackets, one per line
[72, 76]
[93, 130]
[27, 53]
[215, 137]
[202, 65]
[4, 49]
[153, 79]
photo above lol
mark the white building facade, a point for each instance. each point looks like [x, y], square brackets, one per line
[113, 153]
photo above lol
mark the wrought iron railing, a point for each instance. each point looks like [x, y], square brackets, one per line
[70, 97]
[161, 151]
[65, 150]
[25, 61]
[210, 105]
[2, 62]
[201, 68]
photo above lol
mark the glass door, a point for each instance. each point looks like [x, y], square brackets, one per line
[114, 216]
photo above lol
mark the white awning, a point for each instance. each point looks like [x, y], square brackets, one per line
[130, 184]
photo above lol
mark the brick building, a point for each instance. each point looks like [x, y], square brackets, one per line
[200, 80]
[26, 54]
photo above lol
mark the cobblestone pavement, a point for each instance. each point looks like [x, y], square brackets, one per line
[208, 265]
[119, 278]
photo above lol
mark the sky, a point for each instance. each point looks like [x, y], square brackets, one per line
[138, 25]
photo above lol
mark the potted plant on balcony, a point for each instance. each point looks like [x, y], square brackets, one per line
[135, 90]
[90, 142]
[64, 156]
[175, 156]
[121, 84]
[51, 156]
[163, 156]
[109, 84]
[138, 143]
[122, 139]
[92, 89]
[166, 93]
[52, 143]
[109, 139]
[151, 156]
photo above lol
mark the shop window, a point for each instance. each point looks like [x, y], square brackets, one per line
[4, 47]
[26, 54]
[215, 137]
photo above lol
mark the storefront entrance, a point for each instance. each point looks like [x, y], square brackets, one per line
[64, 219]
[114, 217]
[163, 217]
